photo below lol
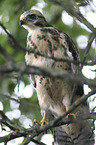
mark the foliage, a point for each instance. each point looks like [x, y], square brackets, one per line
[10, 82]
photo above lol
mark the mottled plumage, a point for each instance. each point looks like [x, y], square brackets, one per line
[54, 94]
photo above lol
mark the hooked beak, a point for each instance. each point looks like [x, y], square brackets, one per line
[22, 21]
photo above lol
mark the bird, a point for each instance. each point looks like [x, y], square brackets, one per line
[55, 94]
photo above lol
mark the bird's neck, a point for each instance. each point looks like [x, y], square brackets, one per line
[30, 28]
[34, 31]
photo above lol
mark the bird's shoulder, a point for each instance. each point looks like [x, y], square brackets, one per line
[53, 35]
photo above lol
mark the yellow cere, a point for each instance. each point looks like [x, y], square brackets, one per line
[22, 19]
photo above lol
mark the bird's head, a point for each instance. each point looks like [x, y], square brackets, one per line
[32, 19]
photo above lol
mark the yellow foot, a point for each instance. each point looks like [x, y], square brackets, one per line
[42, 122]
[36, 122]
[71, 114]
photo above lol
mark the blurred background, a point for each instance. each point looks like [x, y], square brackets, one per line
[18, 98]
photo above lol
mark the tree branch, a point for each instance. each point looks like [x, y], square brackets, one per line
[87, 49]
[5, 120]
[75, 105]
[7, 57]
[76, 13]
[36, 130]
[11, 66]
[47, 72]
[21, 5]
[15, 45]
[28, 139]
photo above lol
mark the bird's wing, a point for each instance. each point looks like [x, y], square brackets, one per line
[85, 135]
[73, 49]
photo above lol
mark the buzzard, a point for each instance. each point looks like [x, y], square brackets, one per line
[55, 94]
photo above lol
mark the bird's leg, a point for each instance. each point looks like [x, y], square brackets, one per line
[43, 121]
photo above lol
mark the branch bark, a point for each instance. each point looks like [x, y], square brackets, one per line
[11, 66]
[76, 13]
[47, 72]
[36, 130]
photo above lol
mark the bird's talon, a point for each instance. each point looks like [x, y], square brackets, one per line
[43, 122]
[36, 122]
[71, 114]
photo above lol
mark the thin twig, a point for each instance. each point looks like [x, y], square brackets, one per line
[47, 72]
[75, 105]
[21, 5]
[28, 139]
[87, 49]
[75, 13]
[17, 46]
[36, 130]
[5, 120]
[7, 57]
[9, 97]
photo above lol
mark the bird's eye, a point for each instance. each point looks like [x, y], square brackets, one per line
[32, 16]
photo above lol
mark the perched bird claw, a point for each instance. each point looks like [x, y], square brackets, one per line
[71, 114]
[36, 122]
[43, 121]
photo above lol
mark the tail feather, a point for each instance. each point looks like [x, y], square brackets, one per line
[84, 137]
[61, 138]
